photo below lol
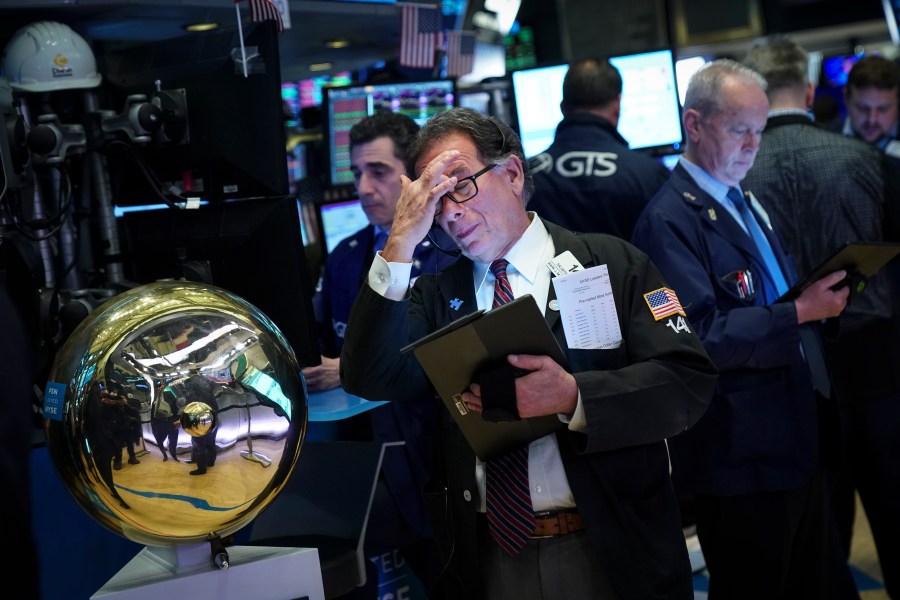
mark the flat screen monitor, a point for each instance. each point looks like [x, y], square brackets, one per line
[311, 89]
[344, 106]
[684, 70]
[537, 93]
[252, 248]
[478, 100]
[223, 134]
[650, 118]
[307, 93]
[290, 96]
[835, 69]
[339, 220]
[814, 66]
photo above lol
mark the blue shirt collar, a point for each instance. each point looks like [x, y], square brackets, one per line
[707, 182]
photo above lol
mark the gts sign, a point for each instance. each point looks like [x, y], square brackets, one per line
[579, 164]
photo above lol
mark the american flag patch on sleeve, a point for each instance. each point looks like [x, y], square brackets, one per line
[663, 303]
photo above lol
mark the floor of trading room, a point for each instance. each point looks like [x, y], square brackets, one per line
[863, 561]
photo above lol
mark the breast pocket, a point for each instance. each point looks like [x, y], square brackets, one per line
[742, 284]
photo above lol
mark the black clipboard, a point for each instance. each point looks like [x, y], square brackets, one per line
[860, 259]
[457, 354]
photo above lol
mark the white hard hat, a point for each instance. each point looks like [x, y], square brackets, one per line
[46, 56]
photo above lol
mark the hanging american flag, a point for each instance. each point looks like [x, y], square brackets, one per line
[420, 35]
[267, 10]
[460, 53]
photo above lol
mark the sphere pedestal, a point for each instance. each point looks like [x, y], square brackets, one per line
[263, 573]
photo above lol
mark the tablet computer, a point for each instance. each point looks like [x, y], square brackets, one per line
[860, 259]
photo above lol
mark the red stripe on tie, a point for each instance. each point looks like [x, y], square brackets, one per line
[508, 497]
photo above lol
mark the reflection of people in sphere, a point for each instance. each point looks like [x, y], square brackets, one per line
[120, 418]
[102, 423]
[203, 448]
[164, 422]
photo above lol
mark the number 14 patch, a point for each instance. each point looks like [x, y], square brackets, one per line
[678, 325]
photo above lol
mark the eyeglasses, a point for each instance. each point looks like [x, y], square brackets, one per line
[465, 190]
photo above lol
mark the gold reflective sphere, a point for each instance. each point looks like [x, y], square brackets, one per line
[197, 419]
[175, 413]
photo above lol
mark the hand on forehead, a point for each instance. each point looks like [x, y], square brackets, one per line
[435, 168]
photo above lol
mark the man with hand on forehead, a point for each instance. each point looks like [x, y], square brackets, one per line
[589, 510]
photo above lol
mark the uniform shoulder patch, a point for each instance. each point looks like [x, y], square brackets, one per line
[663, 303]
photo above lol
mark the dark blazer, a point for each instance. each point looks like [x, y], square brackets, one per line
[823, 189]
[654, 386]
[760, 431]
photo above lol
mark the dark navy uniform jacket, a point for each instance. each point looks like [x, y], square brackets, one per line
[760, 431]
[589, 180]
[346, 267]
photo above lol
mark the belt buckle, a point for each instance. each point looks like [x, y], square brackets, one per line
[543, 515]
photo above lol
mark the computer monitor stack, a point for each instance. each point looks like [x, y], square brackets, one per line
[340, 212]
[345, 106]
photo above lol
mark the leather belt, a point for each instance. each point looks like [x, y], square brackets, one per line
[552, 524]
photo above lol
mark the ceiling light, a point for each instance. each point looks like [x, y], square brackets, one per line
[201, 26]
[320, 66]
[337, 43]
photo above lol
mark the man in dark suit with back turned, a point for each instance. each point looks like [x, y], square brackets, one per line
[588, 179]
[752, 462]
[596, 516]
[824, 189]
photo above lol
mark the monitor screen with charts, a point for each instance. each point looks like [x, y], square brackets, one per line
[345, 106]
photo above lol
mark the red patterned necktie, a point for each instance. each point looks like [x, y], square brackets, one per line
[509, 511]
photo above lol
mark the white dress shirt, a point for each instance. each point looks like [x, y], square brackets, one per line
[528, 274]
